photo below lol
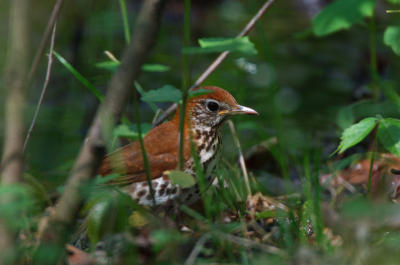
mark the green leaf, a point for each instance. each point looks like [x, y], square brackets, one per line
[356, 133]
[212, 45]
[166, 93]
[78, 76]
[141, 91]
[394, 1]
[108, 65]
[155, 68]
[199, 92]
[391, 38]
[181, 178]
[129, 131]
[389, 135]
[341, 14]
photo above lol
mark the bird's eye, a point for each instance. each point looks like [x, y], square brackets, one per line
[212, 106]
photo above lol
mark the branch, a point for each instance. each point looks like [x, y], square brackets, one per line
[92, 151]
[12, 162]
[45, 85]
[45, 38]
[211, 68]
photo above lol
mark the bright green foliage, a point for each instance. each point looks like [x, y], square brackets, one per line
[166, 93]
[210, 45]
[391, 38]
[394, 1]
[181, 178]
[389, 135]
[341, 14]
[356, 133]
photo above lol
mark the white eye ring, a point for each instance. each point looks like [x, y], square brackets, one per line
[212, 105]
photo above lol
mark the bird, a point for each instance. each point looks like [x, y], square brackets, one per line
[204, 115]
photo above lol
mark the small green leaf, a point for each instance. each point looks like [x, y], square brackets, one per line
[391, 38]
[356, 133]
[389, 135]
[166, 93]
[181, 178]
[155, 68]
[108, 65]
[129, 131]
[78, 76]
[341, 14]
[212, 45]
[199, 92]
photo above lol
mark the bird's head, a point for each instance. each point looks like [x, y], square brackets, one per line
[211, 109]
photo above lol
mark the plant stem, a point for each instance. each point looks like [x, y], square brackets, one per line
[142, 147]
[371, 164]
[373, 60]
[185, 83]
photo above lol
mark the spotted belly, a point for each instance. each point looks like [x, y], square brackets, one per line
[165, 191]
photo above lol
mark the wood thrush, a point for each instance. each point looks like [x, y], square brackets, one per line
[203, 118]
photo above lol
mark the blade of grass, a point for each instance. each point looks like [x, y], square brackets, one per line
[319, 226]
[142, 147]
[124, 14]
[241, 157]
[78, 76]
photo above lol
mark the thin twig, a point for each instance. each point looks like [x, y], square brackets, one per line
[241, 156]
[196, 250]
[45, 86]
[211, 68]
[45, 38]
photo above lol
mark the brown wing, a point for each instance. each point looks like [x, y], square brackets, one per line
[161, 145]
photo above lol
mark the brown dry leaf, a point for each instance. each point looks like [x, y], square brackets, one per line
[78, 257]
[260, 203]
[358, 173]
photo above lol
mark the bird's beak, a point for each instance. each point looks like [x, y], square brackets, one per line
[238, 109]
